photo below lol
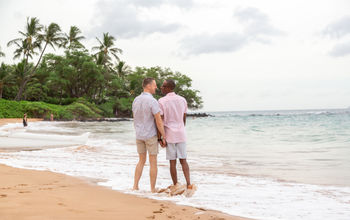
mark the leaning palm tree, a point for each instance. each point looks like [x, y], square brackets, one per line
[72, 40]
[27, 45]
[105, 50]
[52, 36]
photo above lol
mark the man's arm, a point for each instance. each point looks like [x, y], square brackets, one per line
[184, 119]
[160, 126]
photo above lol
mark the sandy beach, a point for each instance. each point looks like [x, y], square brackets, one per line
[4, 121]
[31, 194]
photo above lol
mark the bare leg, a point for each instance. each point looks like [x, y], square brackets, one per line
[173, 171]
[186, 171]
[153, 171]
[138, 170]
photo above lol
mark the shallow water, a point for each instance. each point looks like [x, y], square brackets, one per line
[264, 165]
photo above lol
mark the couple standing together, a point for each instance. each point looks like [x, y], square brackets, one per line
[160, 121]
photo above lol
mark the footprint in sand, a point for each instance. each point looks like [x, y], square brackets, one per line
[5, 188]
[48, 188]
[24, 192]
[159, 211]
[151, 217]
[3, 195]
[163, 206]
[22, 184]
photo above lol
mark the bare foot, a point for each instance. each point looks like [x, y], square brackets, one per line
[156, 190]
[135, 188]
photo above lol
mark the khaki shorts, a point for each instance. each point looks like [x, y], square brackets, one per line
[150, 145]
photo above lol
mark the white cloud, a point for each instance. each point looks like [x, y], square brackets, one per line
[125, 19]
[340, 49]
[340, 31]
[156, 3]
[339, 28]
[221, 42]
[256, 28]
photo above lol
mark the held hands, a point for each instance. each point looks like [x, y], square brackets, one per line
[162, 142]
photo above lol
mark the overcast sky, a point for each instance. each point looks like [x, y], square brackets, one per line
[241, 55]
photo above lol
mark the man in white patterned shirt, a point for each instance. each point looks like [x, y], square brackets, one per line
[147, 119]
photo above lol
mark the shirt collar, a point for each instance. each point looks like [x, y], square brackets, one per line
[171, 94]
[146, 93]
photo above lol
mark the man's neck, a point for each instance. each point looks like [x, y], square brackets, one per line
[169, 92]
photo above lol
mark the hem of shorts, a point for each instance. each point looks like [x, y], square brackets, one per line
[178, 142]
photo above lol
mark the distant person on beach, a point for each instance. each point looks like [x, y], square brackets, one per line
[25, 122]
[51, 117]
[173, 110]
[147, 120]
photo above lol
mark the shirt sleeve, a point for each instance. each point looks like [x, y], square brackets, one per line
[161, 107]
[133, 105]
[185, 106]
[155, 107]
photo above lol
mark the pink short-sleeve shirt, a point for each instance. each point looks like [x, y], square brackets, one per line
[173, 107]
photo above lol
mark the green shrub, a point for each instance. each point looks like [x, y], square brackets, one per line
[76, 110]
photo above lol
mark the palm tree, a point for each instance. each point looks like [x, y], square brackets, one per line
[27, 45]
[72, 40]
[122, 69]
[22, 49]
[105, 50]
[52, 36]
[30, 41]
[2, 54]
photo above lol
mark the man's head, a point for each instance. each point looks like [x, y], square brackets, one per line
[149, 85]
[168, 86]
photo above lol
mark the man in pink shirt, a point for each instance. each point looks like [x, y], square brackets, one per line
[173, 109]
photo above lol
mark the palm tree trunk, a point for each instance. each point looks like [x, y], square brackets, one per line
[41, 55]
[24, 83]
[21, 89]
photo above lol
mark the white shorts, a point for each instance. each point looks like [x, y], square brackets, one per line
[176, 150]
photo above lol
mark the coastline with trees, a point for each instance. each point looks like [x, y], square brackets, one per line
[78, 84]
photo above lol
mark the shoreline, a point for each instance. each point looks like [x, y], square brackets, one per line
[5, 121]
[33, 194]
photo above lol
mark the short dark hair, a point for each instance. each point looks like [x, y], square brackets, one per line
[147, 81]
[170, 84]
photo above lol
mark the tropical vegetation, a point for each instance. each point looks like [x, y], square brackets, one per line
[75, 82]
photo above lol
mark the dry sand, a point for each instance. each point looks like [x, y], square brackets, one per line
[31, 194]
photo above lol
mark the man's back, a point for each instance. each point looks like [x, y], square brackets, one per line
[173, 107]
[144, 108]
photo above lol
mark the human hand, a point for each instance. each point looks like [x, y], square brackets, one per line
[164, 142]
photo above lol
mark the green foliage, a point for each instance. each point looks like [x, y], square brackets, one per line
[77, 110]
[77, 84]
[183, 84]
[108, 108]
